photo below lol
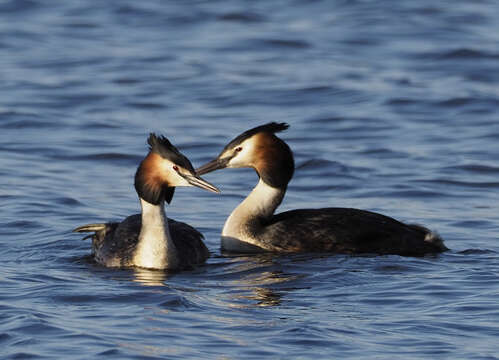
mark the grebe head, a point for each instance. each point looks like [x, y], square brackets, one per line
[257, 148]
[163, 169]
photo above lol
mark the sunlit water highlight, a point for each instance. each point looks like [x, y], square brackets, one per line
[393, 108]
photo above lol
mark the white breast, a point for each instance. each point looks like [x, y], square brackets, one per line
[261, 202]
[155, 249]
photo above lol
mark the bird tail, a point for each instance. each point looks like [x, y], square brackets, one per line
[432, 237]
[435, 239]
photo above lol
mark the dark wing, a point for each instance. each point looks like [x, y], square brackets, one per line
[189, 243]
[343, 230]
[118, 248]
[101, 232]
[114, 244]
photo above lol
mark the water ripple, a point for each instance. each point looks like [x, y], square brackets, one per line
[392, 108]
[242, 17]
[464, 53]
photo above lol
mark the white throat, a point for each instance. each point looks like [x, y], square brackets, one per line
[261, 202]
[155, 249]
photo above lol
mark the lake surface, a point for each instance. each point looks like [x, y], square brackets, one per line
[393, 107]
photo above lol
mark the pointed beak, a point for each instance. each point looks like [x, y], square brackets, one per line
[196, 180]
[213, 165]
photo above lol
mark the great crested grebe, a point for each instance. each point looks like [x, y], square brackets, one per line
[150, 239]
[253, 227]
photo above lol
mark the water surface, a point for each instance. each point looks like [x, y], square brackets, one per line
[393, 108]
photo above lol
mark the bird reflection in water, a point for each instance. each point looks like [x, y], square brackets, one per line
[150, 277]
[251, 281]
[262, 296]
[260, 282]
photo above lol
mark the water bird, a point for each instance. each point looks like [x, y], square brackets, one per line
[253, 226]
[150, 239]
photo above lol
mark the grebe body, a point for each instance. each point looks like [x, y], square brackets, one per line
[151, 239]
[253, 226]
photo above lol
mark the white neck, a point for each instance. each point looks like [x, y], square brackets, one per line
[260, 203]
[155, 248]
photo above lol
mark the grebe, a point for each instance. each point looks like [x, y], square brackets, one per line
[150, 239]
[253, 227]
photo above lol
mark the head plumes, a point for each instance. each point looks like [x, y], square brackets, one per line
[163, 147]
[267, 154]
[261, 149]
[163, 169]
[271, 128]
[160, 143]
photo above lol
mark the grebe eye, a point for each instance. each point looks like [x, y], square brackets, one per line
[238, 149]
[175, 167]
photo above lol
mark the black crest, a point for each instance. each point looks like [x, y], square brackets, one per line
[271, 127]
[155, 192]
[163, 147]
[279, 171]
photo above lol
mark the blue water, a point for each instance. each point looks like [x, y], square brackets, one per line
[393, 107]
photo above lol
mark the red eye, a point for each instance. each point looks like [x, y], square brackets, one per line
[175, 167]
[238, 149]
